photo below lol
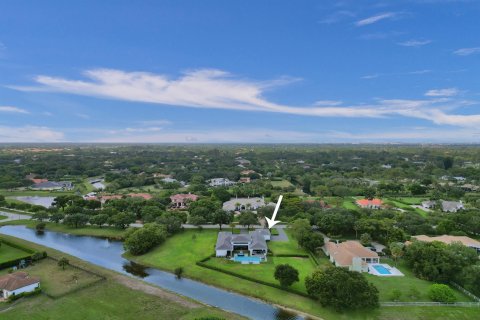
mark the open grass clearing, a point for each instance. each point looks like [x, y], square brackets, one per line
[404, 284]
[9, 253]
[57, 282]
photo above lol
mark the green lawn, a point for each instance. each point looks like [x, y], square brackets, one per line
[55, 281]
[412, 200]
[288, 247]
[266, 270]
[8, 253]
[406, 207]
[3, 217]
[106, 232]
[281, 184]
[349, 204]
[386, 285]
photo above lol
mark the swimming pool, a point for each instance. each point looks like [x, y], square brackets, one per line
[247, 259]
[381, 269]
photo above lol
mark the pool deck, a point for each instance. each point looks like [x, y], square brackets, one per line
[394, 272]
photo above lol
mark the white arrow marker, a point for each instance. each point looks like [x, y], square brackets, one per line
[272, 222]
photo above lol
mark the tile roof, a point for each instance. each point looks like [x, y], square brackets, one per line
[467, 241]
[343, 253]
[17, 280]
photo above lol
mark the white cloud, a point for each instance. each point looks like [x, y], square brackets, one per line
[220, 90]
[82, 115]
[448, 92]
[327, 103]
[371, 76]
[467, 51]
[415, 43]
[10, 109]
[376, 18]
[30, 134]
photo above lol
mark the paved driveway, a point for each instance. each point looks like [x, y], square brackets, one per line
[13, 216]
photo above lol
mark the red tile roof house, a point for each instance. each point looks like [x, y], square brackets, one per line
[181, 200]
[105, 198]
[16, 283]
[350, 254]
[370, 204]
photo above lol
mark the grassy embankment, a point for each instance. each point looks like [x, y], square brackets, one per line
[104, 232]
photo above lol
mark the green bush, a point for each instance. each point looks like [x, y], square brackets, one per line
[24, 294]
[441, 293]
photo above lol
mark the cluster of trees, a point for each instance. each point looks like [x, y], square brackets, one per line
[342, 289]
[442, 263]
[141, 240]
[306, 237]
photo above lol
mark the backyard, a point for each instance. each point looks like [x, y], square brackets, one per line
[9, 253]
[386, 285]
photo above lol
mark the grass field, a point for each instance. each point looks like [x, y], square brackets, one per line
[406, 207]
[266, 270]
[386, 285]
[3, 217]
[281, 183]
[106, 232]
[55, 281]
[8, 253]
[287, 247]
[105, 300]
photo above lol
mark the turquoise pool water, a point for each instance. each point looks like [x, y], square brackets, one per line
[381, 269]
[247, 259]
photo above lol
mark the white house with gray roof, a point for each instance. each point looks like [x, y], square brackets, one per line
[241, 204]
[255, 242]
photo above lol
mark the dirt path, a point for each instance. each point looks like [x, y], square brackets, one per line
[136, 284]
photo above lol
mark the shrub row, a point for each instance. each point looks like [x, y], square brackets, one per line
[24, 294]
[291, 255]
[273, 285]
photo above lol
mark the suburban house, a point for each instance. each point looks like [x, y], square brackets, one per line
[220, 182]
[16, 283]
[240, 204]
[53, 185]
[466, 241]
[351, 255]
[244, 180]
[446, 206]
[181, 200]
[430, 204]
[255, 242]
[242, 162]
[369, 203]
[451, 206]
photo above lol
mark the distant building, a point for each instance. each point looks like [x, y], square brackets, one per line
[466, 241]
[386, 166]
[241, 204]
[445, 206]
[220, 182]
[16, 283]
[245, 180]
[181, 200]
[452, 206]
[351, 255]
[369, 203]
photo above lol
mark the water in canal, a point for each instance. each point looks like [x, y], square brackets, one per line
[108, 254]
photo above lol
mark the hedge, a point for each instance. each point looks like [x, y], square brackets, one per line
[273, 285]
[24, 294]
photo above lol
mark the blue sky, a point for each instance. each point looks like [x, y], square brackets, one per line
[240, 71]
